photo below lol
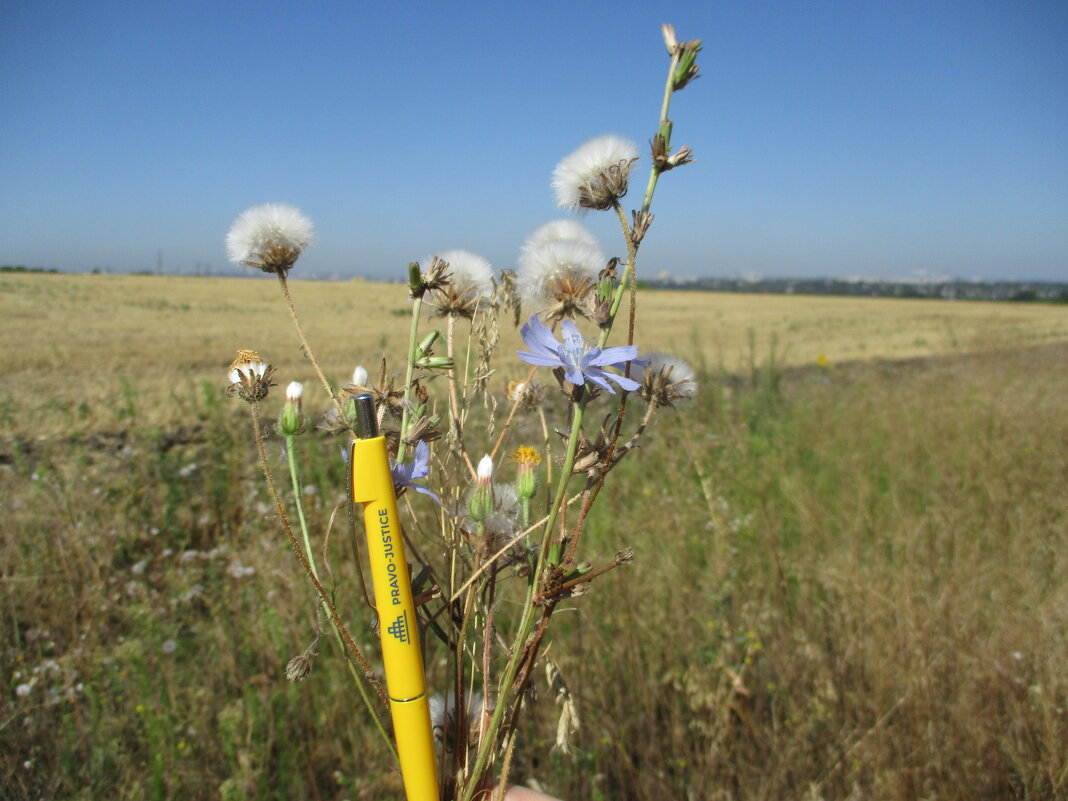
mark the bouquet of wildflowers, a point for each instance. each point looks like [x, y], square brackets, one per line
[497, 482]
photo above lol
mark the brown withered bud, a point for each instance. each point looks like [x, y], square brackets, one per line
[530, 395]
[640, 222]
[250, 377]
[389, 399]
[436, 277]
[422, 430]
[591, 456]
[599, 309]
[574, 391]
[422, 397]
[682, 156]
[568, 294]
[298, 668]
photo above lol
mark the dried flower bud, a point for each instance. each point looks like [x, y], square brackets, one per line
[298, 668]
[641, 220]
[666, 380]
[529, 394]
[670, 42]
[686, 70]
[250, 377]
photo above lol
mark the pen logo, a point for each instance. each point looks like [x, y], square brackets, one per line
[399, 627]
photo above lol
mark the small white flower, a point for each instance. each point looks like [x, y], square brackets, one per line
[359, 376]
[271, 237]
[23, 690]
[294, 391]
[595, 175]
[169, 646]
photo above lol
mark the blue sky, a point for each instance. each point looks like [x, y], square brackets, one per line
[832, 138]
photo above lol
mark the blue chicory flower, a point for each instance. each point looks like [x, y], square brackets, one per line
[405, 474]
[581, 362]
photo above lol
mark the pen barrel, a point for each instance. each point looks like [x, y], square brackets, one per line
[415, 748]
[372, 485]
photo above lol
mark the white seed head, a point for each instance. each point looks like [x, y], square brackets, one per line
[560, 231]
[465, 269]
[359, 376]
[271, 237]
[485, 468]
[543, 267]
[593, 176]
[294, 391]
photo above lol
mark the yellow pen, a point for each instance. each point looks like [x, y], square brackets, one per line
[372, 485]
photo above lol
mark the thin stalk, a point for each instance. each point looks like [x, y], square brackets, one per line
[343, 634]
[527, 619]
[669, 88]
[295, 479]
[304, 342]
[413, 343]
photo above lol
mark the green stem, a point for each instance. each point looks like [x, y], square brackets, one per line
[669, 87]
[527, 619]
[292, 459]
[348, 645]
[413, 343]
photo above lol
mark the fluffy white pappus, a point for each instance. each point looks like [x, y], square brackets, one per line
[485, 468]
[677, 372]
[541, 268]
[294, 391]
[465, 268]
[576, 172]
[359, 376]
[438, 708]
[560, 231]
[260, 229]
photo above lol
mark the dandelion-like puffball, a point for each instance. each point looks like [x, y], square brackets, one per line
[469, 280]
[557, 267]
[560, 231]
[595, 175]
[465, 268]
[271, 237]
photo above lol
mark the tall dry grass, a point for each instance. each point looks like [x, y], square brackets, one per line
[90, 350]
[850, 581]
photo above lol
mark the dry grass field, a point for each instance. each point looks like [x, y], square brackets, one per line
[90, 341]
[851, 578]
